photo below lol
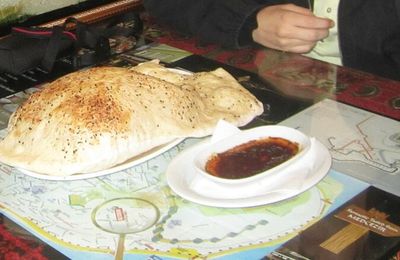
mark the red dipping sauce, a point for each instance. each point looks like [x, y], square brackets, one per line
[251, 158]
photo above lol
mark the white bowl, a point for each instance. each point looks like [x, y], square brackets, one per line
[245, 136]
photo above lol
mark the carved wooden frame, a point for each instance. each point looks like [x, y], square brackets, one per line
[100, 13]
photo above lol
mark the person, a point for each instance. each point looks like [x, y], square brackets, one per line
[361, 34]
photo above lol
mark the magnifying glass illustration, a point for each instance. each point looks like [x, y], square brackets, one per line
[124, 216]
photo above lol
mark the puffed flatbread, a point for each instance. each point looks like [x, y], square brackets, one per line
[97, 118]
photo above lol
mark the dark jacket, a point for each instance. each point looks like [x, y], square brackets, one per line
[369, 30]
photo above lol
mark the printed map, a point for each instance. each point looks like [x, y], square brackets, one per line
[362, 144]
[135, 214]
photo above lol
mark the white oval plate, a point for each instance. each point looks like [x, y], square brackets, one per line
[120, 167]
[185, 181]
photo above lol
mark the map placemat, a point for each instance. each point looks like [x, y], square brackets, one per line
[135, 214]
[362, 144]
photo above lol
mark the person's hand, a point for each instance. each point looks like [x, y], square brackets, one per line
[290, 28]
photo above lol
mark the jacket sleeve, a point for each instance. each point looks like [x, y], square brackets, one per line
[369, 36]
[228, 23]
[211, 21]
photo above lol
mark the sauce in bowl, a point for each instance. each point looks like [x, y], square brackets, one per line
[251, 158]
